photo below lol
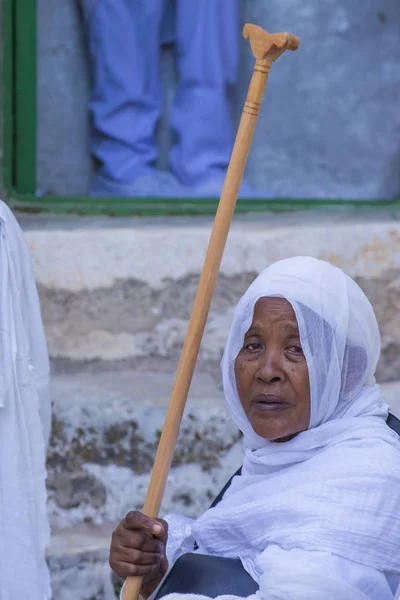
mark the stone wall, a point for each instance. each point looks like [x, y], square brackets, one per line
[106, 429]
[329, 127]
[120, 290]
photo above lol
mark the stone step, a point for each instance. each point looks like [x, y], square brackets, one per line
[106, 428]
[78, 562]
[123, 289]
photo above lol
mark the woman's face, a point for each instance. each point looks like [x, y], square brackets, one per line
[271, 373]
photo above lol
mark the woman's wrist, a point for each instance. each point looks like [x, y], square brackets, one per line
[147, 590]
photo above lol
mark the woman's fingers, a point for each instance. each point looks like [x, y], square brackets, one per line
[137, 557]
[140, 563]
[164, 564]
[137, 530]
[126, 569]
[137, 520]
[137, 540]
[138, 546]
[163, 535]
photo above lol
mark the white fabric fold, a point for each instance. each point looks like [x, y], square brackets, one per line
[25, 418]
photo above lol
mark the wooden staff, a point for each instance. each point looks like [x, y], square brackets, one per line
[266, 48]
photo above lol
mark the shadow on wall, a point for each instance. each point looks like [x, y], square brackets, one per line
[329, 126]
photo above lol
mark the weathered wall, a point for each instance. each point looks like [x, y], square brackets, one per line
[330, 126]
[123, 289]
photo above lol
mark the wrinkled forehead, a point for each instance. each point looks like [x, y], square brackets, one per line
[276, 311]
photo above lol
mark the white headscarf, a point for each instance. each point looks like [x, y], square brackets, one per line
[323, 509]
[24, 422]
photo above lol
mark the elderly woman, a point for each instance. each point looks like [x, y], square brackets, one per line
[315, 513]
[24, 423]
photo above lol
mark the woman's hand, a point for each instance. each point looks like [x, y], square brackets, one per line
[138, 548]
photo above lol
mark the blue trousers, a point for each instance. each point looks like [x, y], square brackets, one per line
[126, 101]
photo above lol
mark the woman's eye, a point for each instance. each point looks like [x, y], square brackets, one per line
[296, 349]
[252, 346]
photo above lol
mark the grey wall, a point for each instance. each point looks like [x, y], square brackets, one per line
[330, 123]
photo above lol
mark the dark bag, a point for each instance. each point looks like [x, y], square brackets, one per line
[207, 575]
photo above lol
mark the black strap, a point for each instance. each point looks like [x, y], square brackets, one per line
[218, 499]
[394, 423]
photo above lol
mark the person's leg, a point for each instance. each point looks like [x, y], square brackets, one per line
[207, 39]
[124, 46]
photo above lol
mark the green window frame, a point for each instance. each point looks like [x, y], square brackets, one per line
[19, 144]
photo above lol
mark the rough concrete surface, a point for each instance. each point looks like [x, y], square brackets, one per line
[123, 289]
[78, 562]
[106, 428]
[329, 126]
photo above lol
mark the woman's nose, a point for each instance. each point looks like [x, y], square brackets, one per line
[270, 368]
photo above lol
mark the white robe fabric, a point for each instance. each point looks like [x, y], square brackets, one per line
[25, 416]
[317, 516]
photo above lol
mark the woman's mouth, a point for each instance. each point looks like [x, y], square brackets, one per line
[269, 402]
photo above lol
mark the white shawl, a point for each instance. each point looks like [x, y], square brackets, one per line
[24, 422]
[318, 516]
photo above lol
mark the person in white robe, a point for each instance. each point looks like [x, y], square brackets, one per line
[25, 419]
